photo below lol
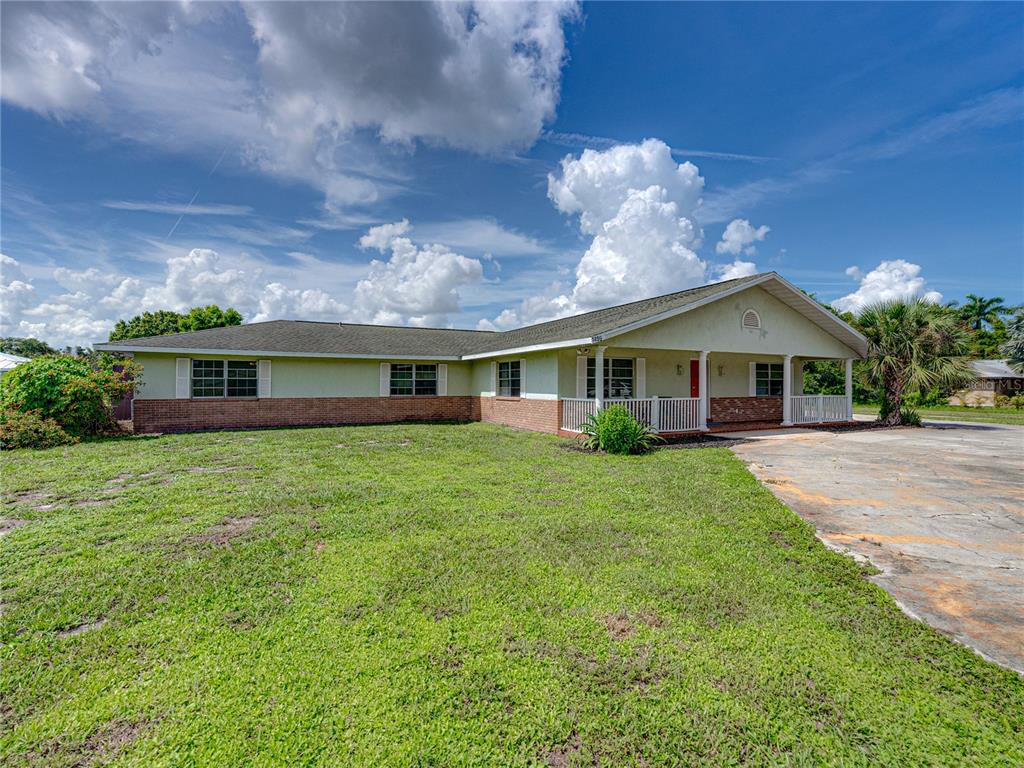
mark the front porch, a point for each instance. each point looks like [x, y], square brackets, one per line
[678, 415]
[773, 395]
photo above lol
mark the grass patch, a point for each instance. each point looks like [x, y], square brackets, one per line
[453, 595]
[959, 413]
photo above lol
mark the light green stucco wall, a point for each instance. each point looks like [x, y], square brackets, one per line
[541, 374]
[298, 377]
[717, 327]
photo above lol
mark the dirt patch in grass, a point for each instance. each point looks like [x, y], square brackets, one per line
[781, 539]
[100, 748]
[561, 755]
[79, 629]
[619, 625]
[93, 502]
[450, 659]
[8, 524]
[216, 470]
[223, 532]
[24, 497]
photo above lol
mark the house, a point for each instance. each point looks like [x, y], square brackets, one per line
[723, 356]
[995, 378]
[9, 362]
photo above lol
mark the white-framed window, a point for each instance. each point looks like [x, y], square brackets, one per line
[767, 379]
[224, 378]
[751, 319]
[618, 377]
[413, 379]
[510, 377]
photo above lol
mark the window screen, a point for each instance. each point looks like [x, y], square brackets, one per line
[509, 379]
[618, 375]
[207, 378]
[768, 379]
[410, 379]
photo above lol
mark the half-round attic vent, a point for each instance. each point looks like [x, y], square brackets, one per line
[751, 319]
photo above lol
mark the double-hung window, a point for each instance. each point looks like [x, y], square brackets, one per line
[767, 379]
[241, 378]
[413, 379]
[224, 378]
[618, 377]
[509, 379]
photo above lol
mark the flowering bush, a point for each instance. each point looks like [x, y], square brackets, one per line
[30, 430]
[76, 393]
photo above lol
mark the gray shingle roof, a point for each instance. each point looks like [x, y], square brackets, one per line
[302, 336]
[994, 369]
[601, 321]
[297, 337]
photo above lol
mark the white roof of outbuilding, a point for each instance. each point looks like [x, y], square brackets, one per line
[994, 369]
[7, 362]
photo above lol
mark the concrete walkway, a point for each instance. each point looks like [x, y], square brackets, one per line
[940, 511]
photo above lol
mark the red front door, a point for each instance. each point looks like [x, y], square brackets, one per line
[695, 378]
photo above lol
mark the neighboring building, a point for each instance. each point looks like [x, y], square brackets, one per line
[9, 362]
[722, 356]
[995, 377]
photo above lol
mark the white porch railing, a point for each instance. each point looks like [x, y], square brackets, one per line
[814, 409]
[665, 414]
[678, 414]
[575, 411]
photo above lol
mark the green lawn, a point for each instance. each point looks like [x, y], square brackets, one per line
[454, 595]
[959, 413]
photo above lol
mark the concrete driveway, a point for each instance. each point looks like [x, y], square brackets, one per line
[940, 511]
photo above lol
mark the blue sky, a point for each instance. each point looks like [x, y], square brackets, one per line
[488, 167]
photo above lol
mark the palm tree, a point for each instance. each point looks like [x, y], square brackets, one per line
[978, 312]
[1014, 346]
[912, 346]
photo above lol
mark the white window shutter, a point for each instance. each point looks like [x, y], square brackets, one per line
[641, 377]
[442, 379]
[385, 379]
[581, 377]
[494, 378]
[522, 377]
[182, 377]
[263, 384]
[753, 379]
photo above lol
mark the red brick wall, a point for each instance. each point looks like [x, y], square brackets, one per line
[727, 409]
[190, 415]
[538, 415]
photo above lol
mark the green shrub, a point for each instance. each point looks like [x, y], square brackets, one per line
[76, 393]
[28, 429]
[929, 398]
[615, 430]
[909, 417]
[1017, 401]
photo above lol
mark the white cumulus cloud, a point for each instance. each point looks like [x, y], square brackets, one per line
[738, 268]
[638, 205]
[416, 285]
[739, 237]
[94, 300]
[311, 92]
[890, 280]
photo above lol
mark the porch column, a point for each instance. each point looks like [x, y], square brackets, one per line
[599, 379]
[702, 389]
[849, 389]
[787, 391]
